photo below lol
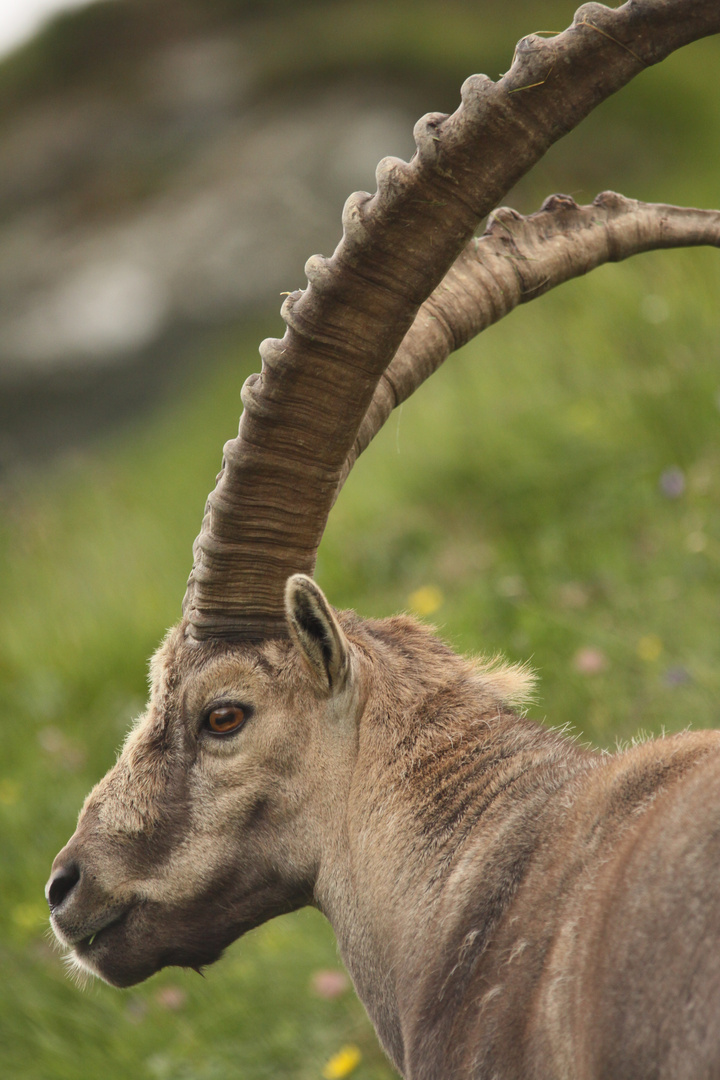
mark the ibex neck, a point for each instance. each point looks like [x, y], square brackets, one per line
[436, 788]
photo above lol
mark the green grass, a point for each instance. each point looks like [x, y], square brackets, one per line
[523, 484]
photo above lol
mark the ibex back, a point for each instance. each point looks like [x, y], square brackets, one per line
[509, 904]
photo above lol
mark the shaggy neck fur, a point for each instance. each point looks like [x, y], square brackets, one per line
[436, 873]
[440, 756]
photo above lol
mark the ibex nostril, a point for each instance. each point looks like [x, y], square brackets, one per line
[61, 884]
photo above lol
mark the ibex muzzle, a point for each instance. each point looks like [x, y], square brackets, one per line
[509, 904]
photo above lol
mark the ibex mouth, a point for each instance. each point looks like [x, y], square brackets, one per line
[85, 945]
[92, 954]
[73, 935]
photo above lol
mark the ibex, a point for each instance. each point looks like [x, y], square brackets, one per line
[508, 903]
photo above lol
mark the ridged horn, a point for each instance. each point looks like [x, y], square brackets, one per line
[517, 259]
[279, 478]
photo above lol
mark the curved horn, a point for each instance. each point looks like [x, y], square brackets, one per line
[515, 260]
[266, 516]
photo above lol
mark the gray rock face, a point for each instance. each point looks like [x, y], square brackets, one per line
[191, 204]
[137, 211]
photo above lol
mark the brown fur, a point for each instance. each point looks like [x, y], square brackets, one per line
[508, 903]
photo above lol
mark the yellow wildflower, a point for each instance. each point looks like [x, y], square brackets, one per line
[649, 648]
[425, 600]
[9, 792]
[343, 1063]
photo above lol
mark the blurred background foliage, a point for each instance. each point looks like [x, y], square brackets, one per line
[553, 494]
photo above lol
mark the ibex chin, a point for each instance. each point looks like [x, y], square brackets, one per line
[509, 904]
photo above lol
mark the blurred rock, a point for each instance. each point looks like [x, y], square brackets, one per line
[229, 228]
[180, 191]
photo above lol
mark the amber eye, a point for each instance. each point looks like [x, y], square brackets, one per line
[224, 719]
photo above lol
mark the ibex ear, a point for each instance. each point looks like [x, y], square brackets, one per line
[317, 633]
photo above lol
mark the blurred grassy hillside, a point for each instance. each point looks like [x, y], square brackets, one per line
[553, 494]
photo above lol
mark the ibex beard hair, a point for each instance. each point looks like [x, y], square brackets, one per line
[508, 903]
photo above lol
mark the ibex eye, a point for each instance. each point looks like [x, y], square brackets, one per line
[225, 718]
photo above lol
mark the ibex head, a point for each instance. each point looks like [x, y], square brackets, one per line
[213, 818]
